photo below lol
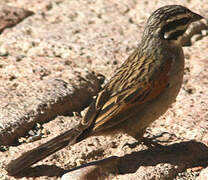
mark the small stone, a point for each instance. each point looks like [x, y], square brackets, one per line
[26, 46]
[33, 138]
[65, 55]
[67, 62]
[115, 62]
[22, 139]
[38, 125]
[19, 58]
[45, 132]
[31, 133]
[204, 32]
[3, 52]
[79, 162]
[4, 148]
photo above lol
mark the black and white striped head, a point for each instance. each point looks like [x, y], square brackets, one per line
[170, 22]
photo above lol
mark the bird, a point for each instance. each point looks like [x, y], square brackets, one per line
[141, 90]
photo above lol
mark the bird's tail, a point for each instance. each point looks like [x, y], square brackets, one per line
[29, 158]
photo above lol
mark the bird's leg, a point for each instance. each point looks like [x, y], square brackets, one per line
[138, 137]
[151, 142]
[148, 141]
[154, 140]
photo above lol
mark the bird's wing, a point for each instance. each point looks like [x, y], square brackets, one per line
[109, 110]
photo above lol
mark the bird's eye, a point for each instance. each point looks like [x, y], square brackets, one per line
[173, 35]
[175, 28]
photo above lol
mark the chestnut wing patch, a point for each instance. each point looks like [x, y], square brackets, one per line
[114, 110]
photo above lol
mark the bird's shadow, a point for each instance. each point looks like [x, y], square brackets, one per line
[189, 154]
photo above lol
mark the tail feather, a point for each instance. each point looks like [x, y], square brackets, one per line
[29, 158]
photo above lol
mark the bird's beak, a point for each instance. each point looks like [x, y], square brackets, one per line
[196, 17]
